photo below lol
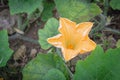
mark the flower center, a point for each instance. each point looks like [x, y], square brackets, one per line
[70, 46]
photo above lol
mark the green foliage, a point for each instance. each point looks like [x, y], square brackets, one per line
[5, 51]
[42, 65]
[20, 6]
[99, 65]
[76, 10]
[54, 74]
[115, 4]
[118, 44]
[36, 14]
[47, 12]
[50, 29]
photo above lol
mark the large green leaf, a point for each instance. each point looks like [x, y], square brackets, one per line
[99, 65]
[38, 68]
[47, 12]
[20, 6]
[50, 29]
[5, 51]
[54, 74]
[115, 4]
[77, 10]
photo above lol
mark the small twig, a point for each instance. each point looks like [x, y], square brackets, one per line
[23, 38]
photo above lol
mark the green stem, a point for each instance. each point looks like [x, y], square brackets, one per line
[23, 38]
[59, 53]
[25, 24]
[21, 25]
[106, 6]
[71, 74]
[19, 22]
[112, 30]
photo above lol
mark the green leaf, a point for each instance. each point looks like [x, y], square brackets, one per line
[27, 6]
[54, 74]
[47, 12]
[50, 30]
[118, 44]
[5, 51]
[99, 65]
[76, 10]
[115, 4]
[39, 67]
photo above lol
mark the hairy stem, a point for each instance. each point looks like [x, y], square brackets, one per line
[71, 74]
[106, 6]
[59, 53]
[23, 38]
[112, 30]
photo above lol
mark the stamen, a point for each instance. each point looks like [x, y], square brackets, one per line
[70, 46]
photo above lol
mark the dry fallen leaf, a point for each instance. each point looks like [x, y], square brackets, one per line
[18, 31]
[33, 53]
[1, 78]
[20, 53]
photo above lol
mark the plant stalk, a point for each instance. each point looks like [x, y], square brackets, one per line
[23, 38]
[59, 53]
[106, 6]
[71, 74]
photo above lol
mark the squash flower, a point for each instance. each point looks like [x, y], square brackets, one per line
[73, 38]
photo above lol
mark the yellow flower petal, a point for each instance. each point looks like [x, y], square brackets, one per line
[84, 28]
[68, 54]
[56, 40]
[67, 29]
[73, 38]
[86, 45]
[66, 26]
